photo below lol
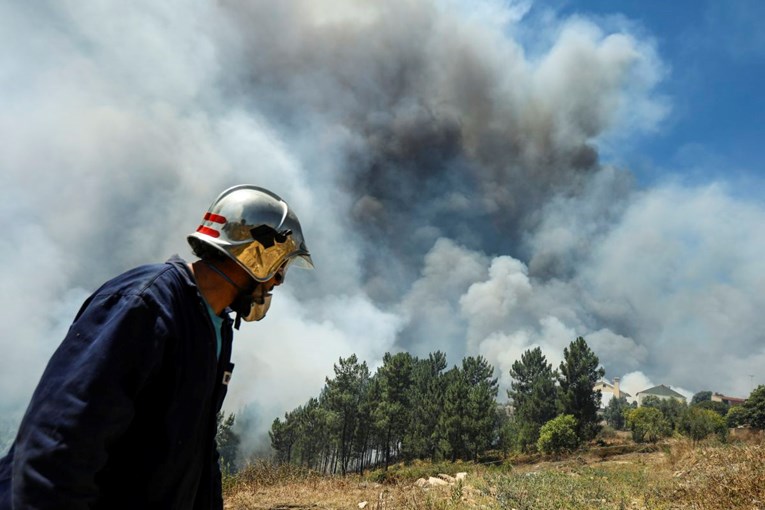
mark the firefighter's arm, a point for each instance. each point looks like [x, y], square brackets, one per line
[84, 402]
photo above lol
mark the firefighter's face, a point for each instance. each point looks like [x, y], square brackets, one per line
[261, 296]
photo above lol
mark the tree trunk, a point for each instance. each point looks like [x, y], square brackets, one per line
[387, 447]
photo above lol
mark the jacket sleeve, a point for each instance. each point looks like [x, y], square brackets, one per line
[84, 401]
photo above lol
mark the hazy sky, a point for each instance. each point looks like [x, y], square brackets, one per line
[474, 177]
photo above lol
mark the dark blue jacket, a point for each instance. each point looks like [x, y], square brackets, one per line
[124, 415]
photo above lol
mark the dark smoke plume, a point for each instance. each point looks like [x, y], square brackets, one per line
[444, 158]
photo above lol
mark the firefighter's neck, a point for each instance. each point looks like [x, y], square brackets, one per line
[217, 291]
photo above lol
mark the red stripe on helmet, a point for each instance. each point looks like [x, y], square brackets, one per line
[208, 231]
[215, 218]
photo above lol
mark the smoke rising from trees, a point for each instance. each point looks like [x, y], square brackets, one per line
[443, 159]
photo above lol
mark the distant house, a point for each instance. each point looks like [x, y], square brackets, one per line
[606, 387]
[731, 401]
[661, 391]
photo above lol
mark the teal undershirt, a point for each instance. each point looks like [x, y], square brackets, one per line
[217, 323]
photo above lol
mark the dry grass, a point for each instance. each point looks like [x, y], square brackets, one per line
[266, 487]
[715, 477]
[678, 475]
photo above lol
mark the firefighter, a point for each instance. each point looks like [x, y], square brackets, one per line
[124, 414]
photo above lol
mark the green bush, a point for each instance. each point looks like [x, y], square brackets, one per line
[647, 424]
[720, 408]
[670, 408]
[558, 435]
[755, 408]
[698, 423]
[736, 417]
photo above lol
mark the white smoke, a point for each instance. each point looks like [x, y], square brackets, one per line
[443, 158]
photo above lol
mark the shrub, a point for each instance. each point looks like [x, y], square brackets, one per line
[698, 423]
[736, 417]
[755, 408]
[720, 408]
[647, 424]
[670, 408]
[558, 435]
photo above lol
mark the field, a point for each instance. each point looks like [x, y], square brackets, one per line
[673, 475]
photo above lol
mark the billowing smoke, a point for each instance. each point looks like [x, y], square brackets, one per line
[444, 161]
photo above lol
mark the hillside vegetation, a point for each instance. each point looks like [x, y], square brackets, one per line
[362, 441]
[675, 474]
[414, 408]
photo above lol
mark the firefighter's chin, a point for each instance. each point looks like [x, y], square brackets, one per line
[258, 310]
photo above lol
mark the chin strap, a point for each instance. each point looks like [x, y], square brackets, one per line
[242, 292]
[223, 275]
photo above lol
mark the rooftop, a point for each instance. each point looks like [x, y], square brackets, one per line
[662, 391]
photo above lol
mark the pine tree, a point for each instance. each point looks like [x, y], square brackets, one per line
[392, 415]
[427, 397]
[579, 372]
[227, 441]
[343, 397]
[451, 426]
[366, 431]
[533, 395]
[480, 419]
[312, 426]
[283, 437]
[468, 421]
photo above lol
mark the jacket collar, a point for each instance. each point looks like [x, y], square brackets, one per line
[188, 278]
[183, 269]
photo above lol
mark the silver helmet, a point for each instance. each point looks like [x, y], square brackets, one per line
[254, 227]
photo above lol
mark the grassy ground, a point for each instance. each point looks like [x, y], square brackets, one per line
[675, 475]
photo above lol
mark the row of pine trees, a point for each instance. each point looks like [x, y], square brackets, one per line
[415, 408]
